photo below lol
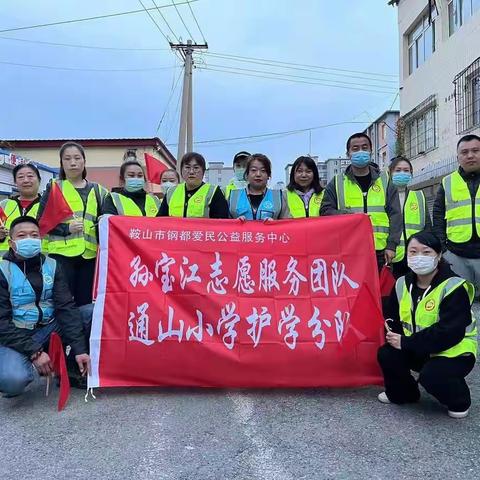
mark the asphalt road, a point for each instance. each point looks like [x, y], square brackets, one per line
[240, 434]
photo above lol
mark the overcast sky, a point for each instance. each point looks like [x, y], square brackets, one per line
[351, 35]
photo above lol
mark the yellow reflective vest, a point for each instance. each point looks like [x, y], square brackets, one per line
[197, 206]
[126, 206]
[428, 310]
[13, 210]
[297, 208]
[79, 244]
[462, 213]
[414, 220]
[351, 198]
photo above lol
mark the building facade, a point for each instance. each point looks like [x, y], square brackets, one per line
[383, 133]
[439, 83]
[218, 174]
[336, 166]
[103, 156]
[322, 172]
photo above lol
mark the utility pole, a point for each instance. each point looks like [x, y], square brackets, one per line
[185, 133]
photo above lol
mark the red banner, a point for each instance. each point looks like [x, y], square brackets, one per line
[200, 302]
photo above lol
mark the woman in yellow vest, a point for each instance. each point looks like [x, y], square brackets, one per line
[131, 200]
[27, 180]
[304, 192]
[414, 210]
[74, 242]
[431, 330]
[194, 198]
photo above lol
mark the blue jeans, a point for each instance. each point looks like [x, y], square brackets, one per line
[16, 369]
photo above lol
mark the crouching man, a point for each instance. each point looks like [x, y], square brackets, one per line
[34, 302]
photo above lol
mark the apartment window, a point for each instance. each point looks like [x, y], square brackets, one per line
[383, 130]
[467, 98]
[421, 128]
[421, 41]
[459, 11]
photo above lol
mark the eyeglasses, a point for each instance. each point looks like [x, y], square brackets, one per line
[194, 169]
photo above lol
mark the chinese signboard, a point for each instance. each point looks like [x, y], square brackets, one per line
[203, 302]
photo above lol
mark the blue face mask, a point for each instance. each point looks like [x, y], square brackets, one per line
[401, 179]
[360, 159]
[239, 173]
[134, 184]
[28, 247]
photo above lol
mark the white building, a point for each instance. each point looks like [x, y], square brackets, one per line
[322, 172]
[336, 166]
[439, 82]
[218, 174]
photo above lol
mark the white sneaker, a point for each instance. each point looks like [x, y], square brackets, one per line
[458, 414]
[382, 397]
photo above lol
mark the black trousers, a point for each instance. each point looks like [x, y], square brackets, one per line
[442, 377]
[79, 273]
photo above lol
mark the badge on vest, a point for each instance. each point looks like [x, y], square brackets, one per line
[414, 207]
[376, 188]
[267, 205]
[430, 305]
[199, 199]
[47, 279]
[316, 200]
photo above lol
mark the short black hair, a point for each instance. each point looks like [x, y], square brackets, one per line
[359, 135]
[468, 138]
[395, 161]
[188, 157]
[23, 219]
[66, 145]
[128, 163]
[31, 166]
[171, 170]
[426, 237]
[240, 156]
[263, 159]
[310, 164]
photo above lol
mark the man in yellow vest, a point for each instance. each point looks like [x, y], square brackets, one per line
[456, 212]
[362, 189]
[238, 181]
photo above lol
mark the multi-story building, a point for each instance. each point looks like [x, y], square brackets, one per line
[439, 82]
[383, 133]
[336, 166]
[104, 156]
[322, 172]
[218, 174]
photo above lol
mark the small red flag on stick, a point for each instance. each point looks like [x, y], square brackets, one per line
[387, 282]
[155, 168]
[3, 216]
[55, 352]
[56, 210]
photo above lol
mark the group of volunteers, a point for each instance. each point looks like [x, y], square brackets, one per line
[46, 284]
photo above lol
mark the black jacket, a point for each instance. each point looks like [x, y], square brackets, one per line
[470, 249]
[454, 317]
[218, 205]
[394, 212]
[108, 207]
[66, 313]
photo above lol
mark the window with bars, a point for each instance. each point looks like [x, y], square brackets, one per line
[459, 11]
[421, 41]
[467, 98]
[421, 128]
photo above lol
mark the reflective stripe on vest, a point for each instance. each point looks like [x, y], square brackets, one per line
[460, 211]
[76, 244]
[198, 205]
[25, 313]
[414, 219]
[428, 310]
[350, 197]
[126, 206]
[270, 206]
[297, 206]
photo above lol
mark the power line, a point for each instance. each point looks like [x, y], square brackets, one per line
[292, 80]
[300, 64]
[174, 88]
[92, 47]
[154, 21]
[86, 19]
[181, 18]
[177, 112]
[288, 67]
[196, 21]
[166, 22]
[50, 67]
[389, 89]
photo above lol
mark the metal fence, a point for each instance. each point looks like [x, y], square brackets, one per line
[436, 170]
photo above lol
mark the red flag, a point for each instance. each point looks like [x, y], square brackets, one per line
[387, 282]
[56, 210]
[3, 215]
[155, 168]
[55, 352]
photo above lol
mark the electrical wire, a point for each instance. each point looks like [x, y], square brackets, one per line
[182, 20]
[166, 22]
[291, 80]
[196, 21]
[174, 88]
[86, 19]
[177, 113]
[154, 21]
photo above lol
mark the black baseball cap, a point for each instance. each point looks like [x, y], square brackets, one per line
[240, 156]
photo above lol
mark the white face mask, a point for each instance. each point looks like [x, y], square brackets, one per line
[422, 264]
[165, 186]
